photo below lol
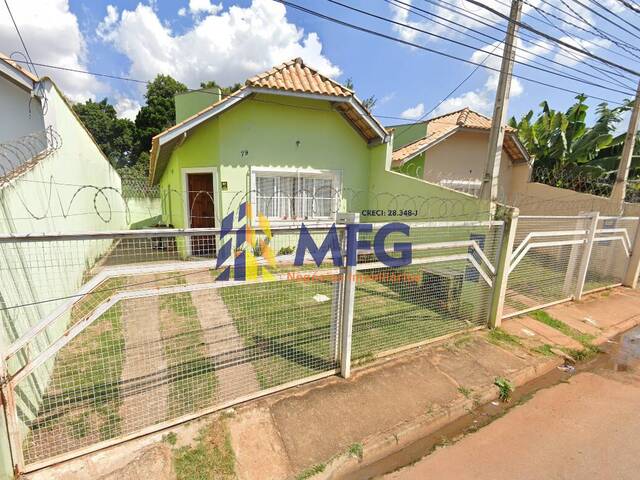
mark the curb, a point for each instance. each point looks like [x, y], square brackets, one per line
[382, 445]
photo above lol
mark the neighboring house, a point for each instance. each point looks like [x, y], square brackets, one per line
[295, 143]
[451, 150]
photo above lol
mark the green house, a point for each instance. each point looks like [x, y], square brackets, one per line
[296, 144]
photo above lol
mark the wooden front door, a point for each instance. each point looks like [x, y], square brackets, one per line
[201, 212]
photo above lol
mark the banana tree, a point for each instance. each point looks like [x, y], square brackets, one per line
[562, 141]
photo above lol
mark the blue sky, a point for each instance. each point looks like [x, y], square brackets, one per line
[198, 40]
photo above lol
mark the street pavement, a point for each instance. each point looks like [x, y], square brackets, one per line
[586, 428]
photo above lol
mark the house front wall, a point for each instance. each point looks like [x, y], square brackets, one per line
[274, 132]
[463, 156]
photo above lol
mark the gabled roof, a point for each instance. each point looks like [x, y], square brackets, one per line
[295, 76]
[292, 78]
[440, 128]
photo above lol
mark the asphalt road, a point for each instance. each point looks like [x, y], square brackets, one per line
[587, 428]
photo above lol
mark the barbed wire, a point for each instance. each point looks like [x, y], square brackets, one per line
[24, 152]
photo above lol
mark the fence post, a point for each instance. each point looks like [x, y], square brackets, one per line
[586, 254]
[336, 307]
[502, 268]
[8, 404]
[633, 268]
[348, 300]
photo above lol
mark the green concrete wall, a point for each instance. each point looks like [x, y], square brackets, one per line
[190, 103]
[51, 197]
[407, 133]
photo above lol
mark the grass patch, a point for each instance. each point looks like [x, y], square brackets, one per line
[89, 302]
[467, 392]
[311, 471]
[505, 388]
[171, 438]
[584, 338]
[356, 450]
[211, 458]
[191, 375]
[545, 350]
[82, 401]
[499, 336]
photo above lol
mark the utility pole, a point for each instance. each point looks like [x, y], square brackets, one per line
[496, 137]
[619, 190]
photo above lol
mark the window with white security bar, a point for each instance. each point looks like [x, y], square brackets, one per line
[296, 195]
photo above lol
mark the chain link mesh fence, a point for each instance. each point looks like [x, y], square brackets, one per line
[610, 252]
[544, 262]
[445, 289]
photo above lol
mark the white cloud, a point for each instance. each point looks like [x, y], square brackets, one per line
[127, 107]
[53, 36]
[413, 113]
[204, 6]
[182, 12]
[570, 57]
[228, 46]
[482, 99]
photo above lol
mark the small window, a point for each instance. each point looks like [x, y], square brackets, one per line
[296, 196]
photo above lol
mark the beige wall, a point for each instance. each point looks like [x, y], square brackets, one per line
[463, 156]
[539, 199]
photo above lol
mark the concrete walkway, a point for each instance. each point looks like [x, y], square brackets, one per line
[144, 388]
[235, 373]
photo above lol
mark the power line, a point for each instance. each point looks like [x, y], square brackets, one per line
[576, 57]
[553, 39]
[619, 17]
[442, 37]
[522, 33]
[418, 120]
[408, 7]
[431, 50]
[86, 72]
[606, 19]
[630, 5]
[26, 51]
[593, 31]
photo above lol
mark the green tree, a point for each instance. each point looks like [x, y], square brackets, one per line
[158, 113]
[368, 103]
[115, 136]
[226, 91]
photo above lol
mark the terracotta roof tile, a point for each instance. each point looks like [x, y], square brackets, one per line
[18, 67]
[295, 76]
[439, 127]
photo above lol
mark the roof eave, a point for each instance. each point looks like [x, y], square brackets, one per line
[16, 76]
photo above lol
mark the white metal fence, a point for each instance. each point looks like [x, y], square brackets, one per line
[556, 259]
[119, 334]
